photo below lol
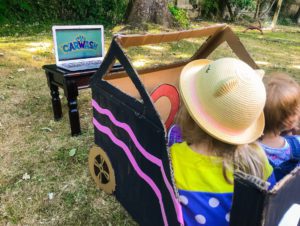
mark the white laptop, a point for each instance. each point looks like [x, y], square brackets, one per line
[78, 47]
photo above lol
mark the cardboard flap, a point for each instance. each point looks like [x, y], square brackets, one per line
[225, 35]
[248, 200]
[283, 198]
[253, 204]
[144, 105]
[137, 40]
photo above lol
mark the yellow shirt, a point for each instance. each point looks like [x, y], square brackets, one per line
[205, 195]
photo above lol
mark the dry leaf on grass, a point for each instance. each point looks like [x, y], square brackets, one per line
[26, 176]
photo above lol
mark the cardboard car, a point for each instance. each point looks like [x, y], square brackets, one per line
[132, 111]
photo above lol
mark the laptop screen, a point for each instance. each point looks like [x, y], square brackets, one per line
[79, 43]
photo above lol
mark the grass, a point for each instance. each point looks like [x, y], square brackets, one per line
[35, 145]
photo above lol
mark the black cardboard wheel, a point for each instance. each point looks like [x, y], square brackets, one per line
[101, 170]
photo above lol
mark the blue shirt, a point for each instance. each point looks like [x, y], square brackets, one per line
[279, 155]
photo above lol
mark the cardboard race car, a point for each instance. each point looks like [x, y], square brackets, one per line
[130, 156]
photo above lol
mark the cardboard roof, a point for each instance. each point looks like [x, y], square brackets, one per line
[217, 34]
[138, 40]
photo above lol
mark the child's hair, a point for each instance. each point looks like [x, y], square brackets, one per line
[283, 101]
[243, 157]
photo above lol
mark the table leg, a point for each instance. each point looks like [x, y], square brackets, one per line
[71, 93]
[56, 104]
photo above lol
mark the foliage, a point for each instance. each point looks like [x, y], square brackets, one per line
[285, 21]
[212, 8]
[25, 29]
[180, 16]
[243, 4]
[88, 11]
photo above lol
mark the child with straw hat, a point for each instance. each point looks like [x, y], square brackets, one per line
[222, 112]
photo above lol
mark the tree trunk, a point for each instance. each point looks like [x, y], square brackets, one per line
[148, 11]
[221, 10]
[128, 10]
[268, 6]
[257, 9]
[276, 14]
[297, 16]
[229, 10]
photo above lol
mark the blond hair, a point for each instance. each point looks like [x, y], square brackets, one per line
[283, 101]
[242, 157]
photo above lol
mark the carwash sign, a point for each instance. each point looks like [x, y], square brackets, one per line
[79, 43]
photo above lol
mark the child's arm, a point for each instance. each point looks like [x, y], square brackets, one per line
[294, 142]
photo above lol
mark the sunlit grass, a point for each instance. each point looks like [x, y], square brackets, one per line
[33, 143]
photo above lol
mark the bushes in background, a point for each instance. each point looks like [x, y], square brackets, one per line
[180, 16]
[88, 11]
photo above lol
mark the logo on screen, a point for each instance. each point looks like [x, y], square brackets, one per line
[79, 43]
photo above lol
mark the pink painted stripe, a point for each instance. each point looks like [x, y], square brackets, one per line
[146, 178]
[146, 154]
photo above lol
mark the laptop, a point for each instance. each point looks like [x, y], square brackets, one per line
[78, 47]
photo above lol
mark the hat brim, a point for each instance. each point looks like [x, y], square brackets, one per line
[187, 88]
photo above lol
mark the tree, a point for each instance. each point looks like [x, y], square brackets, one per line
[297, 16]
[263, 7]
[257, 9]
[216, 8]
[143, 11]
[275, 17]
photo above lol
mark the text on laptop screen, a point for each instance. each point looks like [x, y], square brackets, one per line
[78, 44]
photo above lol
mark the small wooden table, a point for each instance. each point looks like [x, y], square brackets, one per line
[70, 82]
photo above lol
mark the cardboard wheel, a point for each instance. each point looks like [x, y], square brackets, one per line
[101, 170]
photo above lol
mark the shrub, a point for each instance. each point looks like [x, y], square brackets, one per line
[88, 11]
[285, 21]
[180, 16]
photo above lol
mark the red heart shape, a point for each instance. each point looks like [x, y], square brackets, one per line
[171, 92]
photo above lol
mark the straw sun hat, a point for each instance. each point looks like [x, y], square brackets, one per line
[226, 98]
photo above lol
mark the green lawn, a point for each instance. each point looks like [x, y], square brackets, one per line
[34, 145]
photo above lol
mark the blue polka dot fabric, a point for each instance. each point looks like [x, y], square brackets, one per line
[201, 208]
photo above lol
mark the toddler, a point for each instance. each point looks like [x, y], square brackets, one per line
[282, 113]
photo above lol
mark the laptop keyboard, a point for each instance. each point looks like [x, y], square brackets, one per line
[82, 65]
[79, 64]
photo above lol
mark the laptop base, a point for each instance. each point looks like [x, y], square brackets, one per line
[80, 68]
